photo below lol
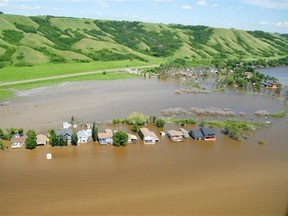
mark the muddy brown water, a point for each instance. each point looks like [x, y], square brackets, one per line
[224, 177]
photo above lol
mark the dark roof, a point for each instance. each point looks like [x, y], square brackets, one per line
[208, 131]
[196, 134]
[64, 132]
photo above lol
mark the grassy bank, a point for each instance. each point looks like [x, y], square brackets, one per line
[8, 92]
[9, 74]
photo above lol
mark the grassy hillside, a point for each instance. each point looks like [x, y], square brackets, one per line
[28, 41]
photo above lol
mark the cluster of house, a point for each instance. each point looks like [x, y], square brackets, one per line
[200, 134]
[106, 137]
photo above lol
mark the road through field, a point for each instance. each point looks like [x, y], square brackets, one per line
[74, 75]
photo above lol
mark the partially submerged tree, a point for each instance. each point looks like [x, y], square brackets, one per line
[120, 138]
[30, 141]
[94, 132]
[160, 123]
[74, 139]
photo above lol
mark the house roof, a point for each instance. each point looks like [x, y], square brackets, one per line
[147, 132]
[208, 131]
[196, 134]
[20, 139]
[82, 133]
[41, 137]
[64, 132]
[107, 134]
[173, 133]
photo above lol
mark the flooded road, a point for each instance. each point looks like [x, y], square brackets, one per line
[224, 177]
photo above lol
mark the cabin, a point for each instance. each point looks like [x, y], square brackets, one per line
[175, 136]
[196, 134]
[106, 137]
[132, 138]
[41, 140]
[148, 137]
[208, 133]
[17, 141]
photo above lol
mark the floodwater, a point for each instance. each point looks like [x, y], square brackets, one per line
[281, 73]
[224, 177]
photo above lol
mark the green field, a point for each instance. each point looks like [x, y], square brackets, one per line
[7, 92]
[48, 70]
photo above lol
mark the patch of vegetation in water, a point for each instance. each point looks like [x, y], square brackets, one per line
[279, 114]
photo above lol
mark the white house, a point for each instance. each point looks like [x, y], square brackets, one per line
[41, 140]
[17, 141]
[148, 136]
[132, 138]
[106, 138]
[82, 136]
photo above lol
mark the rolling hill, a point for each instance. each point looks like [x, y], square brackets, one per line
[26, 41]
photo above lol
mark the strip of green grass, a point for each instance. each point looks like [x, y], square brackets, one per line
[9, 74]
[279, 114]
[6, 93]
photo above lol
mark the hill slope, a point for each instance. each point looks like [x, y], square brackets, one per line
[43, 39]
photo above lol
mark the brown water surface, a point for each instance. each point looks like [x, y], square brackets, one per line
[224, 177]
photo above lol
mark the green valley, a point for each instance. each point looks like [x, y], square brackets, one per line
[46, 46]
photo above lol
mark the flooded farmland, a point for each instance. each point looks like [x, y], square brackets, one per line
[223, 177]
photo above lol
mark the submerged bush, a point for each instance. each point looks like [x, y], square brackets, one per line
[136, 118]
[160, 123]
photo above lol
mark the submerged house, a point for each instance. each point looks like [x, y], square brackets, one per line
[106, 137]
[148, 136]
[208, 133]
[17, 141]
[41, 140]
[82, 136]
[132, 138]
[203, 134]
[270, 84]
[66, 133]
[185, 133]
[176, 136]
[196, 134]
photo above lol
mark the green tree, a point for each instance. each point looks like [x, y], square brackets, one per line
[21, 131]
[94, 132]
[135, 128]
[72, 121]
[1, 134]
[52, 137]
[160, 123]
[2, 146]
[74, 139]
[31, 139]
[120, 138]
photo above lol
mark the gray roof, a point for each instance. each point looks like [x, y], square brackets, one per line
[208, 131]
[196, 134]
[64, 132]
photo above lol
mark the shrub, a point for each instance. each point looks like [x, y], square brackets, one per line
[136, 118]
[12, 36]
[135, 128]
[160, 123]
